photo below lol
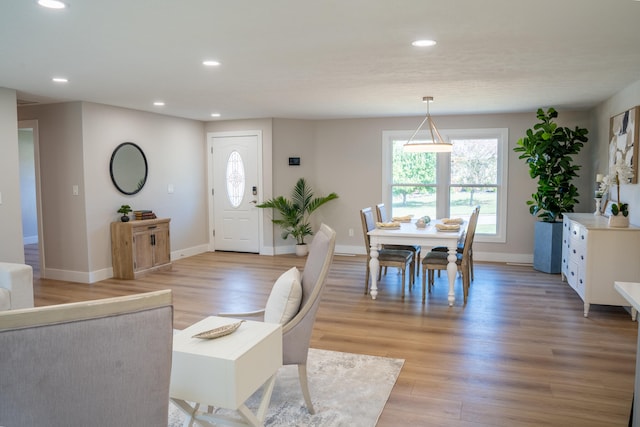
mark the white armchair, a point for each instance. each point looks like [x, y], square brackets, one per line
[16, 286]
[294, 302]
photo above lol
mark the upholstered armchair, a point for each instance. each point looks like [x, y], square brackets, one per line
[294, 301]
[16, 286]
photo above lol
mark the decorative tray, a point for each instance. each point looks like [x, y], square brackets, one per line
[219, 331]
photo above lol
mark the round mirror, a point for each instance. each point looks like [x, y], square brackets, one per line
[128, 168]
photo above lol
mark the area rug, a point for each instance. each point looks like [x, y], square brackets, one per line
[346, 390]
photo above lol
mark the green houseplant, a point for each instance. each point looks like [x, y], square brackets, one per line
[294, 213]
[548, 150]
[124, 210]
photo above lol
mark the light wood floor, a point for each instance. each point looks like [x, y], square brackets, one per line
[519, 354]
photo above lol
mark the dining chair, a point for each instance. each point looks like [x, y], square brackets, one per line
[461, 246]
[381, 214]
[437, 260]
[386, 257]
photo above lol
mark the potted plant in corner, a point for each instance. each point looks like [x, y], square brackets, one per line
[124, 210]
[548, 150]
[294, 213]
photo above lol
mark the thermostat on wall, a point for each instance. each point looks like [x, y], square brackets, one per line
[294, 161]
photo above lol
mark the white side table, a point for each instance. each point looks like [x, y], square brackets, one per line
[224, 372]
[631, 292]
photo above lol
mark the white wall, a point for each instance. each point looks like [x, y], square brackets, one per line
[11, 243]
[175, 150]
[337, 155]
[347, 158]
[76, 142]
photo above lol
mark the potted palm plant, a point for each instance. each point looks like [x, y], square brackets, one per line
[294, 213]
[548, 150]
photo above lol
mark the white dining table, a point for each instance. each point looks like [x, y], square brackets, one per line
[409, 234]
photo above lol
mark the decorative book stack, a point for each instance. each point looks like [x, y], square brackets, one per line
[144, 214]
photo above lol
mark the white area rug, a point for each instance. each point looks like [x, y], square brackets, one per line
[346, 389]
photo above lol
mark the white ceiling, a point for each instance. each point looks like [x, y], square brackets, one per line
[316, 59]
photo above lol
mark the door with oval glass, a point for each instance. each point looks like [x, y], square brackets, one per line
[234, 191]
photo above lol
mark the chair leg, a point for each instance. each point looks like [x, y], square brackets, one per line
[304, 384]
[424, 285]
[471, 265]
[413, 271]
[403, 276]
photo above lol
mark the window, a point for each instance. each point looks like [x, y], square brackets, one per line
[235, 179]
[444, 185]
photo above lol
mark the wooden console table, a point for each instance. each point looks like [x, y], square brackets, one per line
[139, 247]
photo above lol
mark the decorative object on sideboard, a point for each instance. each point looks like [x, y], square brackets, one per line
[548, 150]
[621, 173]
[623, 142]
[144, 214]
[124, 210]
[598, 195]
[295, 212]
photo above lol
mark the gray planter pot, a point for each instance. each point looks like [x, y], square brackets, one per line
[547, 247]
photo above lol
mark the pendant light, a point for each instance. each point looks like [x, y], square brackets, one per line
[437, 144]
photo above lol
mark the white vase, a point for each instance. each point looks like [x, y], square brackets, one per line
[618, 221]
[598, 206]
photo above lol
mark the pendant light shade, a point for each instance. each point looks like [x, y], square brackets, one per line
[437, 143]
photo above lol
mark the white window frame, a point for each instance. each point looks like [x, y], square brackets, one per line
[502, 136]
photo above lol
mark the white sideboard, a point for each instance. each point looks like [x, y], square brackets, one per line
[595, 255]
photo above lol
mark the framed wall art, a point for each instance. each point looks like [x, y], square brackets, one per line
[623, 141]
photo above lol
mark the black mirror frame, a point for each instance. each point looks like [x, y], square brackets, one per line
[146, 168]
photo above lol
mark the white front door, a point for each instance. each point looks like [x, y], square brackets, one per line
[234, 188]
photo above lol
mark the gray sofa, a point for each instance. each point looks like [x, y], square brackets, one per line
[96, 363]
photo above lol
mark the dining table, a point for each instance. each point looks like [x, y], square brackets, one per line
[407, 233]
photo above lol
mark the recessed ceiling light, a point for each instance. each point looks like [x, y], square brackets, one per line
[159, 104]
[423, 43]
[215, 114]
[52, 4]
[60, 80]
[210, 63]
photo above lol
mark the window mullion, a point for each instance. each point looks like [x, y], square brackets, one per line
[444, 181]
